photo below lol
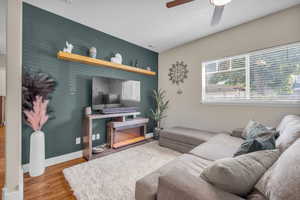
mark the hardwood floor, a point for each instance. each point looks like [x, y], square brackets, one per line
[1, 159]
[51, 185]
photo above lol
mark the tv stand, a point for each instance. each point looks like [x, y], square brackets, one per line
[88, 131]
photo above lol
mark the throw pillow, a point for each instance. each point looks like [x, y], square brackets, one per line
[239, 175]
[264, 142]
[254, 129]
[282, 180]
[286, 121]
[288, 137]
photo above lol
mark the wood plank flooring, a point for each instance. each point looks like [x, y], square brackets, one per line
[50, 186]
[2, 139]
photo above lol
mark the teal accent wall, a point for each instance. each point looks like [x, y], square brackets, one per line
[44, 34]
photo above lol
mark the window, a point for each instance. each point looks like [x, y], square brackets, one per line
[267, 76]
[131, 90]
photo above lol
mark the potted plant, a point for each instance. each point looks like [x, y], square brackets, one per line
[161, 106]
[36, 90]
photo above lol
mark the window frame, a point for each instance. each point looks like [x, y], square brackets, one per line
[247, 100]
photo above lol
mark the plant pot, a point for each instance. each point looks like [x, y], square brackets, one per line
[156, 133]
[37, 154]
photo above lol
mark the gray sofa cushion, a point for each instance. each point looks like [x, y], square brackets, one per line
[285, 122]
[239, 175]
[180, 185]
[289, 130]
[146, 188]
[282, 180]
[218, 147]
[176, 145]
[187, 135]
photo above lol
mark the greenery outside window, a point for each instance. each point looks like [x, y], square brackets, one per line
[266, 76]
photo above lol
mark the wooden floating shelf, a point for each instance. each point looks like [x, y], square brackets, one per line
[98, 62]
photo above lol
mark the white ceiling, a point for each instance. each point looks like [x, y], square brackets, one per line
[149, 22]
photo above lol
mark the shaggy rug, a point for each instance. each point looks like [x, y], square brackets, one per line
[113, 177]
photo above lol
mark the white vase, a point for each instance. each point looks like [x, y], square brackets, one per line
[37, 154]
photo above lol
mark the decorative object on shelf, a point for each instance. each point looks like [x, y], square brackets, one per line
[177, 73]
[99, 149]
[149, 68]
[36, 90]
[88, 110]
[69, 47]
[117, 58]
[161, 106]
[93, 52]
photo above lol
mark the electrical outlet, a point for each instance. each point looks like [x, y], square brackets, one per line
[98, 136]
[93, 137]
[78, 140]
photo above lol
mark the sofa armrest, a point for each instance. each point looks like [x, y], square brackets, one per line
[180, 185]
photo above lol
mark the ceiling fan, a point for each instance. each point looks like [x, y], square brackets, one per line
[219, 8]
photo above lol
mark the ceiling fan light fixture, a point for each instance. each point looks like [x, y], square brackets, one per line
[220, 2]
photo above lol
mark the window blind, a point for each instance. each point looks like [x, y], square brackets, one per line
[271, 75]
[131, 90]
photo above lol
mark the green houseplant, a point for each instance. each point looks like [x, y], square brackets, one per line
[159, 113]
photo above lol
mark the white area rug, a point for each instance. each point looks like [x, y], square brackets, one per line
[113, 177]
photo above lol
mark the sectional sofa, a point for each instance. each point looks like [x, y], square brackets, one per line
[180, 179]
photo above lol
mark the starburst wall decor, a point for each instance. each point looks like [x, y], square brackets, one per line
[177, 73]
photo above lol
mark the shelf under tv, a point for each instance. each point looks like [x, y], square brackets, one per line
[105, 116]
[123, 141]
[98, 62]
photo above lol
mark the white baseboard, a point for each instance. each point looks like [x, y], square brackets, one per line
[14, 195]
[58, 159]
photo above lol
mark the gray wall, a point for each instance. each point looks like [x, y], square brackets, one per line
[186, 109]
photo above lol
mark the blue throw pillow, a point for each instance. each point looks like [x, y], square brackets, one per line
[254, 129]
[257, 144]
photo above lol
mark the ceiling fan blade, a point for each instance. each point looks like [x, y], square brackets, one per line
[177, 3]
[218, 12]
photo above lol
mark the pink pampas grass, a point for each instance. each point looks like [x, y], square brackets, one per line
[37, 117]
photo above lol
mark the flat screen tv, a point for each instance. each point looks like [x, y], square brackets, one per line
[112, 94]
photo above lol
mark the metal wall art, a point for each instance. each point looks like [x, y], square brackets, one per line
[177, 73]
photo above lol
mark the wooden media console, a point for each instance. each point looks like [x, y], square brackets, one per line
[121, 133]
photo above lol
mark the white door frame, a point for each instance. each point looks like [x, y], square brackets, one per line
[13, 133]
